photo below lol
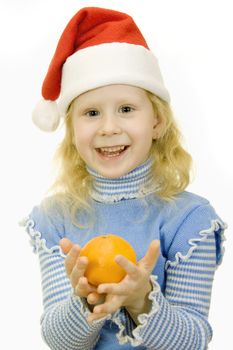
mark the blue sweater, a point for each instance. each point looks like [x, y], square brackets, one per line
[191, 236]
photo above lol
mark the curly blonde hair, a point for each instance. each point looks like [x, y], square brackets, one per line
[171, 167]
[173, 163]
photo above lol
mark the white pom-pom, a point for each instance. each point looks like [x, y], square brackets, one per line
[46, 115]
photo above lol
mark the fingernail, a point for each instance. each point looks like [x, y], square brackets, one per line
[83, 259]
[82, 280]
[117, 258]
[100, 290]
[96, 310]
[77, 247]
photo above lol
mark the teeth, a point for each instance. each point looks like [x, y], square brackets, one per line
[112, 149]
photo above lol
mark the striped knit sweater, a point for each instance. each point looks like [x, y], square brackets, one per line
[191, 236]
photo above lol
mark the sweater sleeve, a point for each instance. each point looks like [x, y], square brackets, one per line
[178, 319]
[64, 323]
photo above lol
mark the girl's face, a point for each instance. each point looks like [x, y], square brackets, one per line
[114, 127]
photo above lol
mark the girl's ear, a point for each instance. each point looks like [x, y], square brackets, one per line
[158, 128]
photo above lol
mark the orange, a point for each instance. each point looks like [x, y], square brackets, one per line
[101, 252]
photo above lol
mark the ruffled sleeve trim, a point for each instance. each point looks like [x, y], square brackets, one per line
[136, 340]
[218, 227]
[36, 239]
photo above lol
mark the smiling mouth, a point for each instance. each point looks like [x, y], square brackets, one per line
[112, 151]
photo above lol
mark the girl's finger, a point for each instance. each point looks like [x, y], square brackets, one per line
[83, 288]
[111, 288]
[108, 307]
[129, 267]
[94, 317]
[71, 259]
[95, 298]
[78, 270]
[66, 245]
[151, 257]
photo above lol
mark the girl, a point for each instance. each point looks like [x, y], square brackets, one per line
[122, 171]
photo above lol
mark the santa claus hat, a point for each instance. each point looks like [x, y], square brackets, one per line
[98, 47]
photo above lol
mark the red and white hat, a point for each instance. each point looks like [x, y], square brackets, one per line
[98, 47]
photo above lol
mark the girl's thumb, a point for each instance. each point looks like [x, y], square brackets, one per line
[152, 254]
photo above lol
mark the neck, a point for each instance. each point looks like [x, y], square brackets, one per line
[137, 183]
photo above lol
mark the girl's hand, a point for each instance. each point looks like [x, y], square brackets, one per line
[75, 268]
[132, 291]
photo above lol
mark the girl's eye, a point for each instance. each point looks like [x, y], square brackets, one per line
[92, 113]
[126, 109]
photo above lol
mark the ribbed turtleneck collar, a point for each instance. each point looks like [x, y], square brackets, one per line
[135, 184]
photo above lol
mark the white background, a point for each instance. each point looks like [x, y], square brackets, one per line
[193, 43]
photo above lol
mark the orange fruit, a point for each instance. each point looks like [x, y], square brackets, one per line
[101, 252]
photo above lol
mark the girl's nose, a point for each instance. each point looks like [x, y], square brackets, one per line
[109, 126]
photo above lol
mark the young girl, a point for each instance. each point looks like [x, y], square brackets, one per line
[122, 171]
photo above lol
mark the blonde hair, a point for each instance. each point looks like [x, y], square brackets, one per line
[172, 164]
[171, 167]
